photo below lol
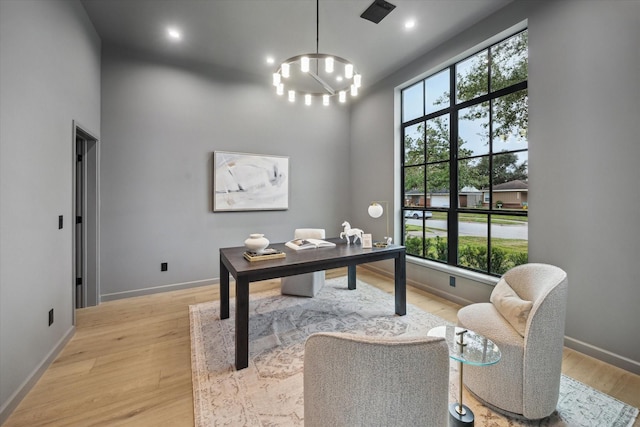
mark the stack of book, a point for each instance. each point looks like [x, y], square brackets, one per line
[264, 255]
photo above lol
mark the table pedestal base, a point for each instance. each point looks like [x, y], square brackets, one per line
[456, 419]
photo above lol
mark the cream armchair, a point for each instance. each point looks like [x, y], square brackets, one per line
[525, 318]
[309, 284]
[352, 380]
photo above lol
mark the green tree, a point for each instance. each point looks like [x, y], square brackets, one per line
[414, 155]
[505, 168]
[509, 65]
[438, 145]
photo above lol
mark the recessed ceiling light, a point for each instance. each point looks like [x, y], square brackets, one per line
[270, 60]
[174, 34]
[410, 24]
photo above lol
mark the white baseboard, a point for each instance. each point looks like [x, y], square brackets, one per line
[427, 288]
[157, 289]
[602, 354]
[12, 403]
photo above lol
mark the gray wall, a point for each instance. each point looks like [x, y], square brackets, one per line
[49, 76]
[161, 123]
[583, 161]
[585, 197]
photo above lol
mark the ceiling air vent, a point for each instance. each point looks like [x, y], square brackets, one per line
[377, 11]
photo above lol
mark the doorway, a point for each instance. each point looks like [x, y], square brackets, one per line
[86, 218]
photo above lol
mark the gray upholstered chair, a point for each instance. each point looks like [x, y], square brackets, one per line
[352, 380]
[309, 284]
[525, 318]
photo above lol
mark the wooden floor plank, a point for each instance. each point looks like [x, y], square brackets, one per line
[129, 363]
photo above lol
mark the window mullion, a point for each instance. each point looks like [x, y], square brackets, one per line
[424, 184]
[490, 182]
[452, 214]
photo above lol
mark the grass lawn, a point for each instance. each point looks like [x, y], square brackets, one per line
[482, 218]
[508, 245]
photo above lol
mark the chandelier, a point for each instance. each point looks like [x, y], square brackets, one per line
[317, 75]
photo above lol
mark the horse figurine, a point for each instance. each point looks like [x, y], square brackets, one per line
[348, 232]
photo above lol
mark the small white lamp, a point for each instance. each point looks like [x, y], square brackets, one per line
[375, 211]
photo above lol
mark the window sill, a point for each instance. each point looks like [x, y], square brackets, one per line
[454, 271]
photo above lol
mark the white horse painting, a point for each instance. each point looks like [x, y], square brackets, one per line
[348, 232]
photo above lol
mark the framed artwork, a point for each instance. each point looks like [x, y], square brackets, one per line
[250, 182]
[366, 241]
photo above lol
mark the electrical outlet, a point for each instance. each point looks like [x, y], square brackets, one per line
[51, 317]
[452, 281]
[164, 266]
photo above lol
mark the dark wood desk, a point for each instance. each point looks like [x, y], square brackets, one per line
[298, 262]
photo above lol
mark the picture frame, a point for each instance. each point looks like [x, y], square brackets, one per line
[250, 182]
[367, 241]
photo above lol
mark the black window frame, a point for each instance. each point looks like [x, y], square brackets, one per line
[452, 111]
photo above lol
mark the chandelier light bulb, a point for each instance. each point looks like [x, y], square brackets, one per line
[325, 99]
[342, 96]
[354, 90]
[285, 70]
[328, 64]
[307, 99]
[276, 79]
[292, 96]
[280, 89]
[304, 64]
[348, 71]
[357, 80]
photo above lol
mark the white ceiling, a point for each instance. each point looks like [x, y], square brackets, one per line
[240, 34]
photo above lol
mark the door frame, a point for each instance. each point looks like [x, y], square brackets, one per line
[90, 214]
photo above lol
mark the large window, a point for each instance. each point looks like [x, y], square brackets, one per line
[464, 164]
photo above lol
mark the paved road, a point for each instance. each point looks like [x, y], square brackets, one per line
[520, 232]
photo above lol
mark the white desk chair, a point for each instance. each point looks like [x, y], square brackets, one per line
[309, 284]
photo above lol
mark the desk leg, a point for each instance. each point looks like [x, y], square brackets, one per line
[401, 284]
[242, 322]
[351, 275]
[224, 291]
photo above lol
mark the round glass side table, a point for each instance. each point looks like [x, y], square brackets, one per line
[468, 348]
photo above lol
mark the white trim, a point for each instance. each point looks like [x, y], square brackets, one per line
[157, 289]
[603, 355]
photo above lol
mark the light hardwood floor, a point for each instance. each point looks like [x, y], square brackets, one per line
[129, 362]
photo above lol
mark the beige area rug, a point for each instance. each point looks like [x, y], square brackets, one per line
[269, 392]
